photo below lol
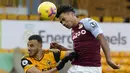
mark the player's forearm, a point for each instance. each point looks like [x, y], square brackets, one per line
[33, 70]
[105, 47]
[106, 50]
[58, 46]
[51, 71]
[63, 48]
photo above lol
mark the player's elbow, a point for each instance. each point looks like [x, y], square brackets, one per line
[33, 71]
[29, 71]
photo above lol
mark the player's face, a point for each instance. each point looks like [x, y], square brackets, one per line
[33, 46]
[67, 19]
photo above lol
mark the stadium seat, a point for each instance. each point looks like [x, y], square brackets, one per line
[116, 60]
[122, 69]
[124, 61]
[118, 19]
[127, 69]
[95, 18]
[12, 17]
[81, 16]
[2, 16]
[107, 19]
[103, 60]
[108, 72]
[107, 69]
[6, 50]
[125, 54]
[115, 54]
[23, 17]
[33, 17]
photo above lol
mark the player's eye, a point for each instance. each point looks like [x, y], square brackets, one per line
[31, 45]
[63, 19]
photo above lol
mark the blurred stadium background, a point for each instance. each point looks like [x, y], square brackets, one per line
[110, 13]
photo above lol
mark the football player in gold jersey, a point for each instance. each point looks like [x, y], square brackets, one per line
[42, 61]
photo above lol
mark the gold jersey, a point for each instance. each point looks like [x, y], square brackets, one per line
[48, 61]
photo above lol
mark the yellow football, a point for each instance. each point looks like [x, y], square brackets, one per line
[47, 10]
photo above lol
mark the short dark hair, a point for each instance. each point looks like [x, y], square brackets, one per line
[35, 37]
[64, 8]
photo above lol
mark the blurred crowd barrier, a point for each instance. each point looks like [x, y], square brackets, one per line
[35, 17]
[100, 10]
[10, 61]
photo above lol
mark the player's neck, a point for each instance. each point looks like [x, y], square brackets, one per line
[77, 22]
[39, 55]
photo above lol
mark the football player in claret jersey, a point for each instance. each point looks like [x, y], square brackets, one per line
[43, 61]
[87, 38]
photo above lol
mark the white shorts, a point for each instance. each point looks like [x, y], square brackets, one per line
[84, 69]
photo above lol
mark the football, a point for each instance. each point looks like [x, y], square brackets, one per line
[47, 10]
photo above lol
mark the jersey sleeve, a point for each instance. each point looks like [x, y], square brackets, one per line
[26, 64]
[62, 54]
[92, 26]
[59, 55]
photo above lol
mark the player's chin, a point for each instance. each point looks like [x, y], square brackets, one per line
[31, 54]
[68, 27]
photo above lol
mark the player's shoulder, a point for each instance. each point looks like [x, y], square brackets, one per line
[48, 53]
[87, 20]
[26, 60]
[26, 56]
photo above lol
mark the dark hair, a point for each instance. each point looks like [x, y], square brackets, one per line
[64, 8]
[35, 37]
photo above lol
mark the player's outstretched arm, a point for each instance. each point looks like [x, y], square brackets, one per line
[51, 50]
[58, 67]
[70, 57]
[58, 46]
[106, 50]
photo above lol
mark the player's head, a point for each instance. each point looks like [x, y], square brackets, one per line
[34, 44]
[66, 15]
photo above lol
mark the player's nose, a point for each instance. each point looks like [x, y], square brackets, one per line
[29, 49]
[64, 24]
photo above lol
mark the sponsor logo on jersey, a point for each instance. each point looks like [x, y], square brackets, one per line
[76, 35]
[24, 62]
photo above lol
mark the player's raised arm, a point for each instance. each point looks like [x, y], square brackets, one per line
[93, 26]
[106, 50]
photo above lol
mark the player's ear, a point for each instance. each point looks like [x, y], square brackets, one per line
[41, 45]
[72, 13]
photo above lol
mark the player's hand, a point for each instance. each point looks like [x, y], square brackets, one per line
[54, 45]
[113, 65]
[54, 50]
